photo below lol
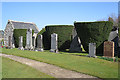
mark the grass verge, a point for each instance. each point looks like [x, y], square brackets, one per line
[92, 66]
[13, 69]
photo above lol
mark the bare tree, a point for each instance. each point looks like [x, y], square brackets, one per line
[113, 18]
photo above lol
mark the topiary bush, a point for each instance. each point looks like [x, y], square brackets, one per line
[20, 32]
[93, 32]
[64, 36]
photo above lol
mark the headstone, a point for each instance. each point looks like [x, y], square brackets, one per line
[29, 45]
[92, 50]
[33, 42]
[54, 39]
[108, 49]
[13, 46]
[21, 43]
[40, 43]
[75, 46]
[9, 42]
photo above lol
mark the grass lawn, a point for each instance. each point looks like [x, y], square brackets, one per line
[92, 66]
[12, 69]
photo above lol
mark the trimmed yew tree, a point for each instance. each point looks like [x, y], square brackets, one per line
[64, 36]
[93, 32]
[17, 34]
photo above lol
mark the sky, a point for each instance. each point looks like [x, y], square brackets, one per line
[57, 13]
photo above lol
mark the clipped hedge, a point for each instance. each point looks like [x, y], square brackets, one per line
[64, 36]
[93, 32]
[17, 34]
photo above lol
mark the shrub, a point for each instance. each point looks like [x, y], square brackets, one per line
[109, 59]
[64, 36]
[93, 32]
[17, 34]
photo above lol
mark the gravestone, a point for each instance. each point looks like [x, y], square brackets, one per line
[9, 42]
[21, 43]
[54, 39]
[33, 42]
[29, 45]
[75, 46]
[108, 49]
[92, 50]
[40, 43]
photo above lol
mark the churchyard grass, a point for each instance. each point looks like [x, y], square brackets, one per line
[92, 66]
[13, 69]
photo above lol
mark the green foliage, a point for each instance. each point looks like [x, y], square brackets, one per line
[2, 41]
[17, 34]
[109, 59]
[93, 32]
[64, 36]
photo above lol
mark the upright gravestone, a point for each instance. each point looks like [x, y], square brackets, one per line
[92, 50]
[54, 39]
[9, 42]
[29, 45]
[108, 49]
[75, 46]
[39, 43]
[21, 43]
[33, 42]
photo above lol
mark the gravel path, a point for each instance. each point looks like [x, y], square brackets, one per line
[49, 69]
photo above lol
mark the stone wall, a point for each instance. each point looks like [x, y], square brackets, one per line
[8, 32]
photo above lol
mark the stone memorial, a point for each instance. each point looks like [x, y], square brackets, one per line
[29, 45]
[33, 42]
[9, 42]
[40, 43]
[92, 50]
[21, 43]
[54, 39]
[75, 46]
[108, 49]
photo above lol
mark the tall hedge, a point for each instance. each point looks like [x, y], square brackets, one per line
[93, 32]
[64, 36]
[17, 34]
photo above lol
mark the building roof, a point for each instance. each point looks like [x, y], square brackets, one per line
[24, 25]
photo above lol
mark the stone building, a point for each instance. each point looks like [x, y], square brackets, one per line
[1, 35]
[11, 25]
